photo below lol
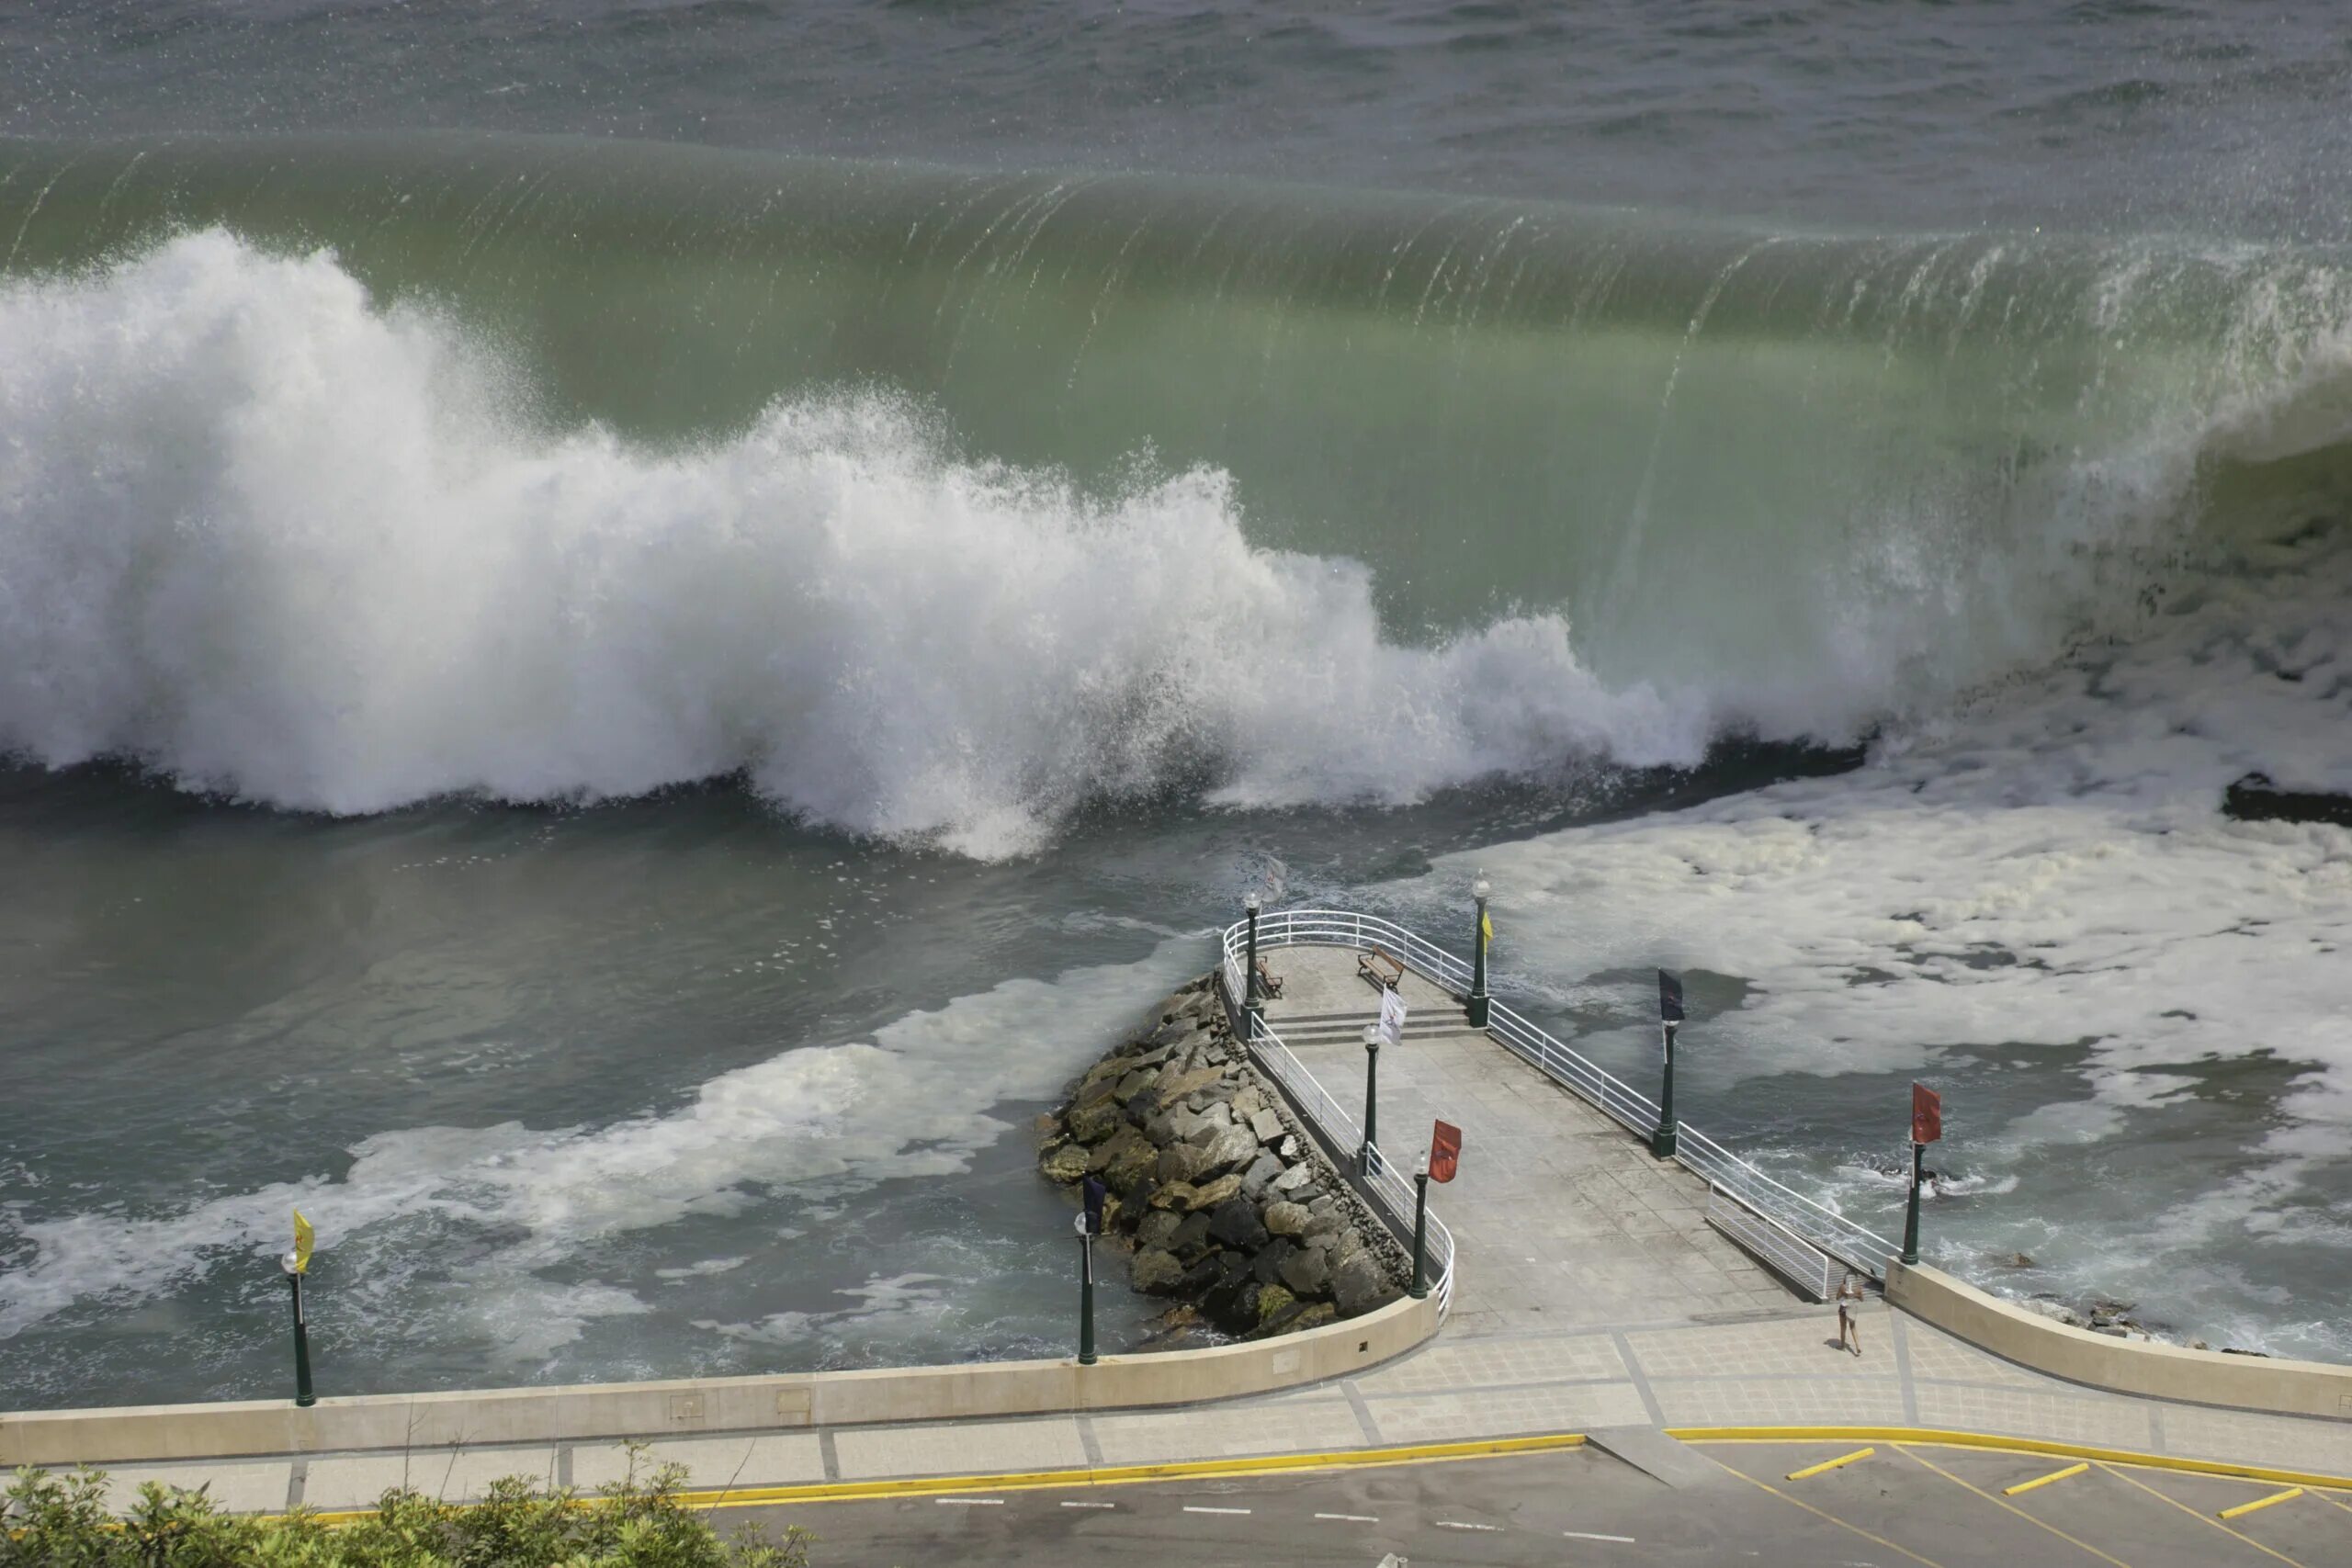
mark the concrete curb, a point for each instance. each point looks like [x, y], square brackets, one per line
[2099, 1360]
[584, 1412]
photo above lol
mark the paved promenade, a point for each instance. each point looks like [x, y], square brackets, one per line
[1593, 1297]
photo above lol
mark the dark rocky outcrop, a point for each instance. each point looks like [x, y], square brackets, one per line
[1226, 1203]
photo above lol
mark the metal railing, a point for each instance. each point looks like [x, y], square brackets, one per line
[1792, 1257]
[1377, 1174]
[1854, 1245]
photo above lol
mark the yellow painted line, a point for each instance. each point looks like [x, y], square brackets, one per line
[1100, 1475]
[1824, 1514]
[2011, 1508]
[2289, 1495]
[1813, 1470]
[2199, 1517]
[1935, 1436]
[2071, 1470]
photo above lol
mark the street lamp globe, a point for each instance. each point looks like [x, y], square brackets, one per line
[1479, 890]
[1250, 903]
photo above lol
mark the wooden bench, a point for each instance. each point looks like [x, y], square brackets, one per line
[1378, 967]
[1268, 983]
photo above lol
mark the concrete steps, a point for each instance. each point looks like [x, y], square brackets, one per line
[1347, 1028]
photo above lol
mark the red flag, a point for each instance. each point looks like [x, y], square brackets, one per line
[1445, 1152]
[1927, 1114]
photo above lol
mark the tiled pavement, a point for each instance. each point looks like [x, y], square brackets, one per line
[1592, 1294]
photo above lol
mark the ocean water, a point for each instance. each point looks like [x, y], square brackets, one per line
[627, 631]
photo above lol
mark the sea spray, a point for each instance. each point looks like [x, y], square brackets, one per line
[267, 540]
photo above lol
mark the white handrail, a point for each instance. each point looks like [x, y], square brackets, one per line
[1854, 1245]
[1378, 1173]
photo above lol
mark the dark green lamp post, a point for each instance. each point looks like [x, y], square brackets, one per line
[1479, 932]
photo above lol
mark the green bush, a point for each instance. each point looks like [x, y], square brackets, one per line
[53, 1521]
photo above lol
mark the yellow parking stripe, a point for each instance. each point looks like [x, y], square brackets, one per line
[1813, 1470]
[1942, 1437]
[1824, 1514]
[2071, 1470]
[2199, 1517]
[2289, 1495]
[2020, 1513]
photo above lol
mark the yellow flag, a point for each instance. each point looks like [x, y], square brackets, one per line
[1486, 926]
[304, 1237]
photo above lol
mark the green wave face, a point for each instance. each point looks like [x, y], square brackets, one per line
[1806, 457]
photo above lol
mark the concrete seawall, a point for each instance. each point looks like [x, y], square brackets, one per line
[714, 1404]
[2078, 1355]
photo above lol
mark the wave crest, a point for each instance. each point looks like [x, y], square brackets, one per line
[273, 542]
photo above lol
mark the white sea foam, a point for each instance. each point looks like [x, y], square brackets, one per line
[823, 1119]
[2048, 867]
[270, 541]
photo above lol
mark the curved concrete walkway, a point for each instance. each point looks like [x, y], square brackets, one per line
[1592, 1297]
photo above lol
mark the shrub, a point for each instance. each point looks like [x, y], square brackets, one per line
[62, 1521]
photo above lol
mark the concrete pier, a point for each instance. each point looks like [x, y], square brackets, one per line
[1559, 1217]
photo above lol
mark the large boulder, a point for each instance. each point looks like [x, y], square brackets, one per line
[1359, 1284]
[1297, 1178]
[1308, 1272]
[1190, 1240]
[1232, 1304]
[1156, 1227]
[1267, 1126]
[1272, 1301]
[1091, 1121]
[1260, 1177]
[1176, 1087]
[1236, 1223]
[1115, 1145]
[1268, 1264]
[1207, 1126]
[1134, 1083]
[1130, 1169]
[1180, 1162]
[1064, 1162]
[1287, 1219]
[1231, 1149]
[1211, 1194]
[1315, 1314]
[1155, 1272]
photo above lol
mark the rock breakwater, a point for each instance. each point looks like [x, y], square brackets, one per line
[1218, 1193]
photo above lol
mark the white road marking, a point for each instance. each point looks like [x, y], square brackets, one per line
[1458, 1525]
[969, 1502]
[1582, 1534]
[1190, 1510]
[1090, 1505]
[1352, 1518]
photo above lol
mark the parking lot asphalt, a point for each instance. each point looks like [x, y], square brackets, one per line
[1900, 1504]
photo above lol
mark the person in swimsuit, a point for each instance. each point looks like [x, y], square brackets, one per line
[1851, 1297]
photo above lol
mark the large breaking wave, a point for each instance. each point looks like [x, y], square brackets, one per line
[339, 476]
[266, 539]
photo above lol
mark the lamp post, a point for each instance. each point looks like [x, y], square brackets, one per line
[1422, 1227]
[1926, 1127]
[1371, 1093]
[1250, 1002]
[1911, 1213]
[1670, 1018]
[1478, 1008]
[1090, 1225]
[302, 1395]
